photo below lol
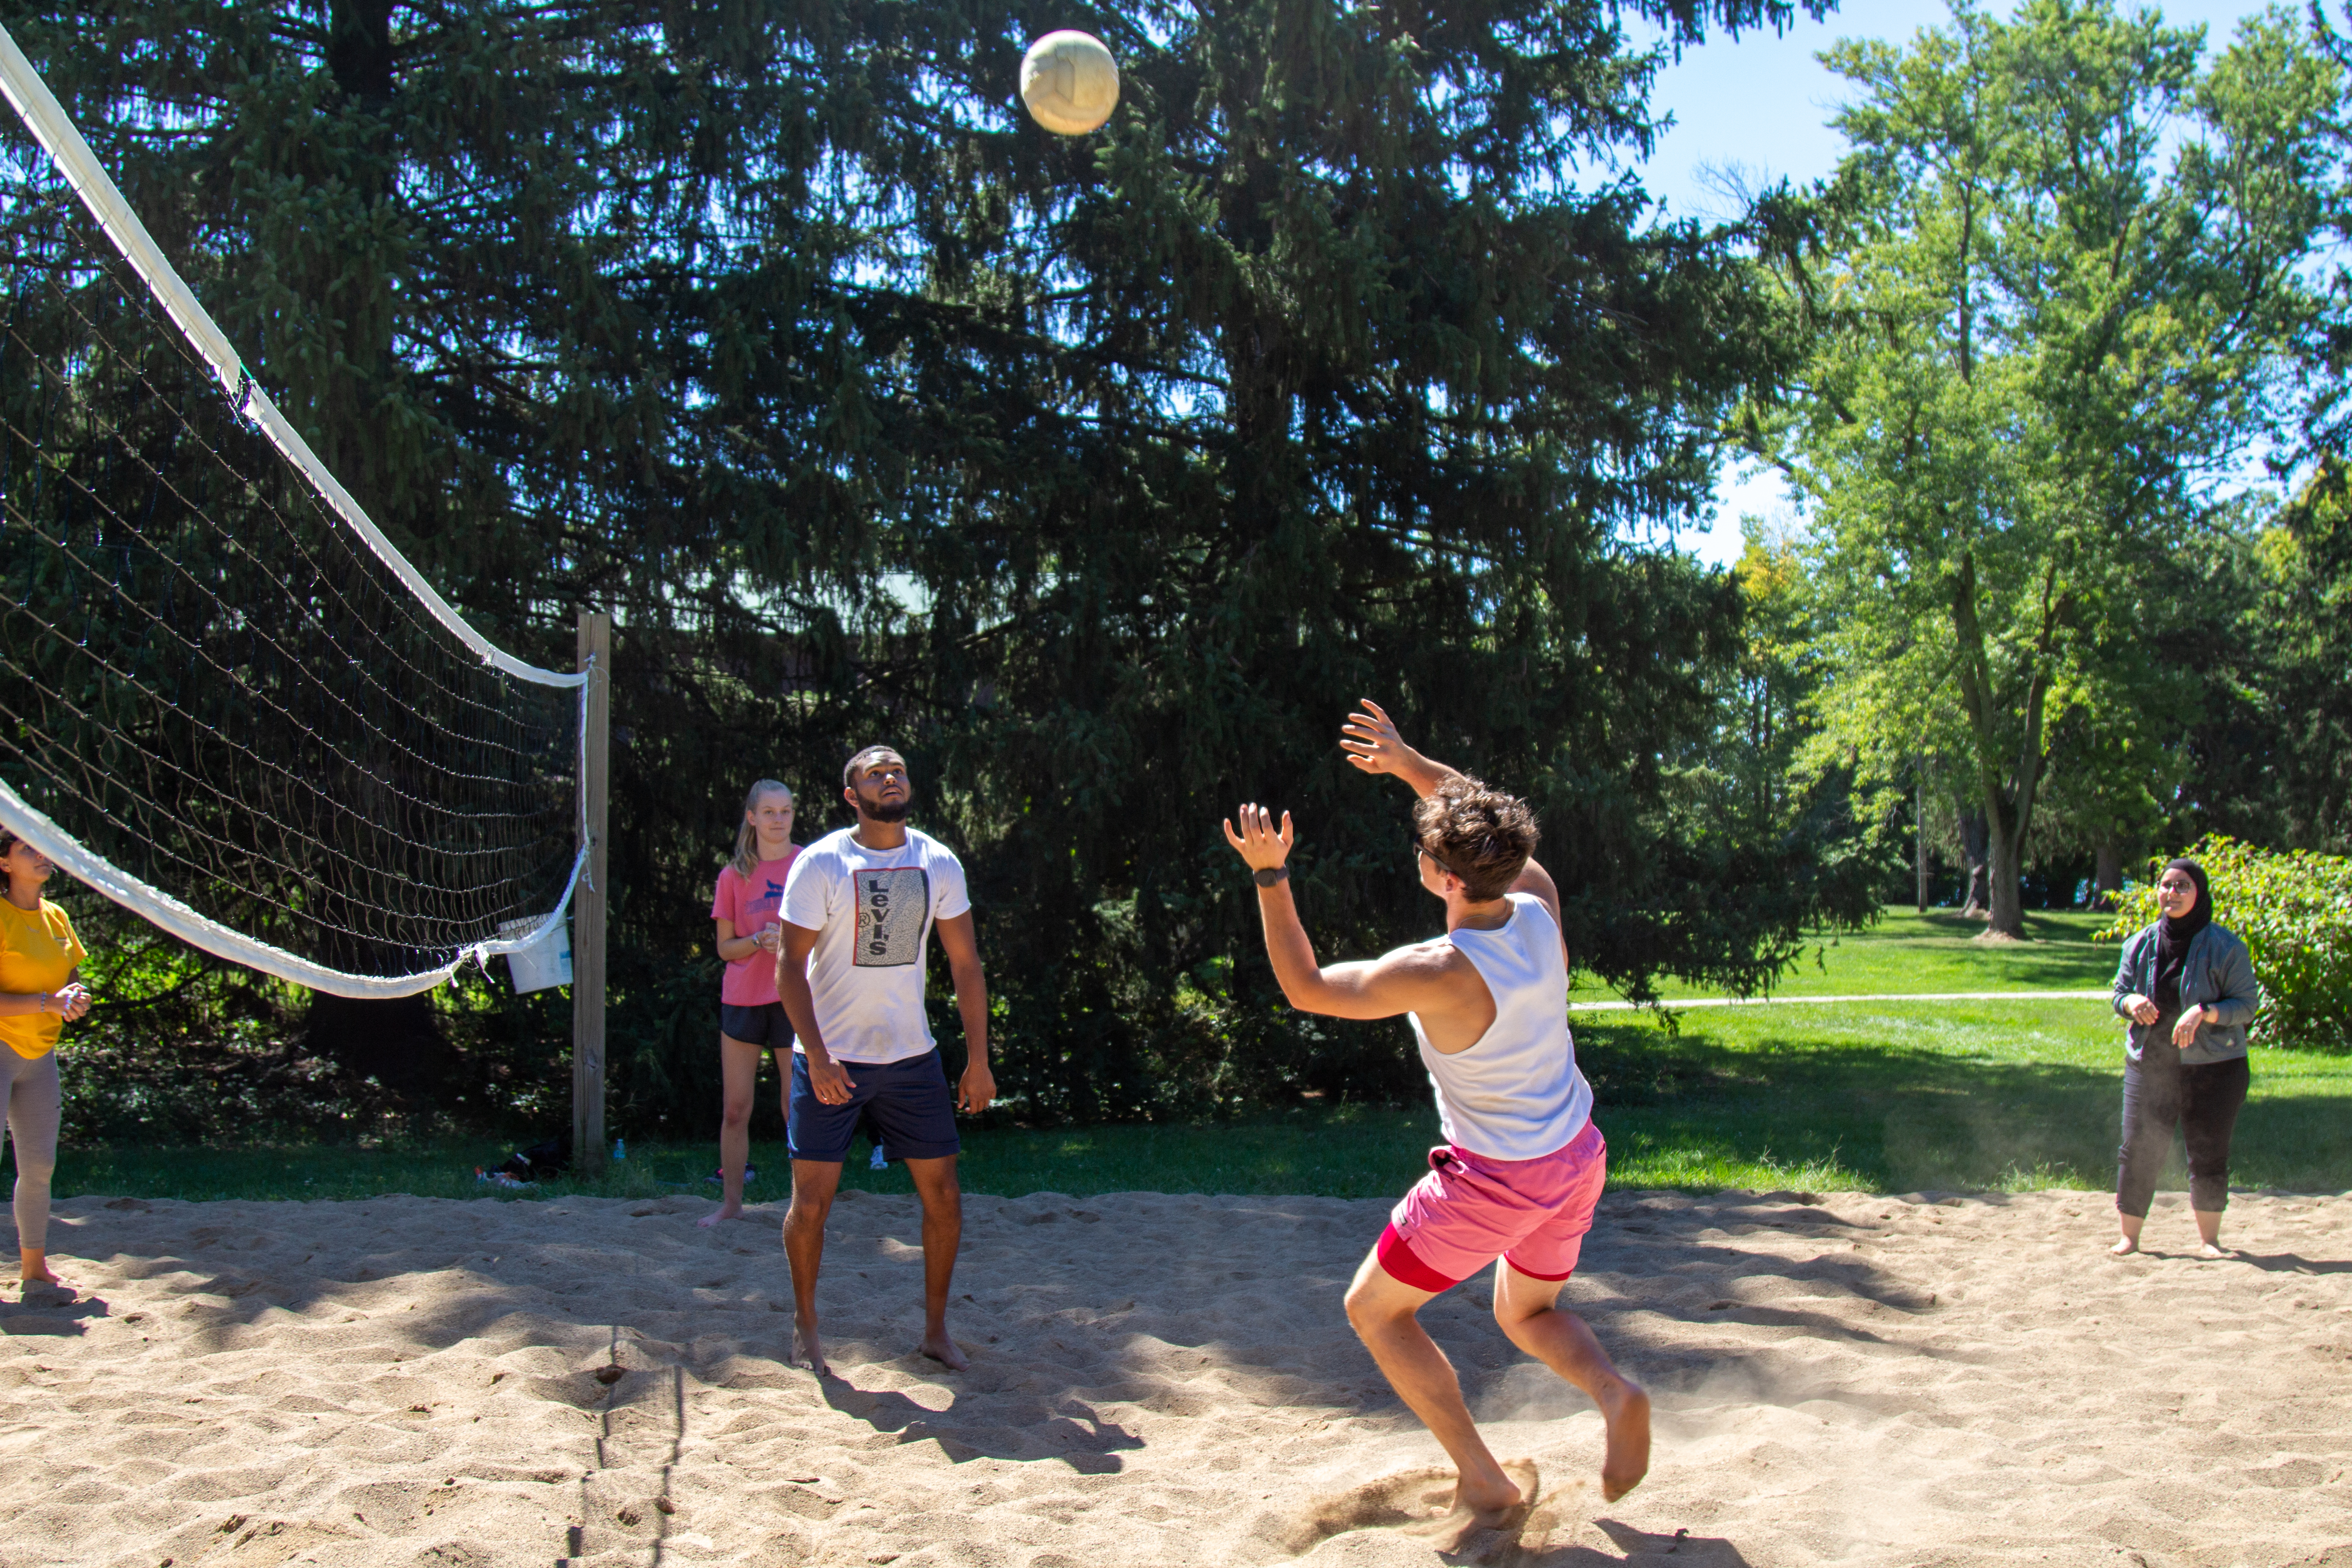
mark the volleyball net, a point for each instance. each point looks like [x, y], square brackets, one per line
[227, 702]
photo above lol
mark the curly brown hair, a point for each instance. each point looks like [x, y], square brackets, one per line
[1482, 836]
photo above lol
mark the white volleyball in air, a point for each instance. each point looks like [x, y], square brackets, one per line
[1069, 81]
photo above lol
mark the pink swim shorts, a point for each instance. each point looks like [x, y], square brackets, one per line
[1470, 1210]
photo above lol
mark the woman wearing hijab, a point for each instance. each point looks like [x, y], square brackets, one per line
[2186, 987]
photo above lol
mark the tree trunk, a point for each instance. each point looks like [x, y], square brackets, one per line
[2006, 805]
[398, 1043]
[358, 50]
[1919, 839]
[2107, 877]
[2005, 911]
[1976, 840]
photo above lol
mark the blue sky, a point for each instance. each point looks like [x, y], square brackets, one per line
[1761, 104]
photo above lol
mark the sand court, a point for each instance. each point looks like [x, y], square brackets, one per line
[1166, 1380]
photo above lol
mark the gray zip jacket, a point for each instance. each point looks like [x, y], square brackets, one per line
[2219, 975]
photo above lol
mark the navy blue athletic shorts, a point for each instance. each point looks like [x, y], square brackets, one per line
[908, 1102]
[763, 1025]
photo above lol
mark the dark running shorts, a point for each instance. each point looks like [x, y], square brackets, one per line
[908, 1102]
[764, 1024]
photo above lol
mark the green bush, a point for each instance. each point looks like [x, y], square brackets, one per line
[2294, 910]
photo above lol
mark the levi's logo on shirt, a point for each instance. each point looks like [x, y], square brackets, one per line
[892, 904]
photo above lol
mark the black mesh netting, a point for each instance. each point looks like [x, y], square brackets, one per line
[209, 679]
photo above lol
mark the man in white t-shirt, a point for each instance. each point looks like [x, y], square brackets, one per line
[859, 907]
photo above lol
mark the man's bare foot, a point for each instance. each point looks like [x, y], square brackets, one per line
[808, 1351]
[1489, 1502]
[2210, 1251]
[2123, 1248]
[724, 1211]
[1499, 1502]
[939, 1347]
[1626, 1410]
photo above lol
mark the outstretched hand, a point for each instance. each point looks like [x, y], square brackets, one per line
[1371, 739]
[1261, 848]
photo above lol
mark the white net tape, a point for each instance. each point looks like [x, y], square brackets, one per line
[46, 119]
[227, 702]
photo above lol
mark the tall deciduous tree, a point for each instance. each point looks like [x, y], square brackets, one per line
[2271, 757]
[2052, 292]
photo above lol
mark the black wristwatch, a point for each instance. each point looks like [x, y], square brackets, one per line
[1269, 877]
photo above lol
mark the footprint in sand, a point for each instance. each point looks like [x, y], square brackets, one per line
[1418, 1503]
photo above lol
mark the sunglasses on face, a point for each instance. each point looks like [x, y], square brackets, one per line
[1419, 849]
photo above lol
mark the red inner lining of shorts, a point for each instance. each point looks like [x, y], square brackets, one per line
[1405, 1266]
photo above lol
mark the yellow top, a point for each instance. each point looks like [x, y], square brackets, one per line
[38, 951]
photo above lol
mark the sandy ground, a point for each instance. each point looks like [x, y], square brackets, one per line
[1166, 1380]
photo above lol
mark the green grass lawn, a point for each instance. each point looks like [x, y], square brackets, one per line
[1882, 1096]
[1907, 951]
[1903, 1097]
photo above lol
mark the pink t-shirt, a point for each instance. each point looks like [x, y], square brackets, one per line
[751, 902]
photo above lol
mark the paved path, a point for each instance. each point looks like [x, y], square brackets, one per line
[2101, 994]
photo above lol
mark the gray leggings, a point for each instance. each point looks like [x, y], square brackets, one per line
[33, 1128]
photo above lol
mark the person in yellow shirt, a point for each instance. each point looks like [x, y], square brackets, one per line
[40, 994]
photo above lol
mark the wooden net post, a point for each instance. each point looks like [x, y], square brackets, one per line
[588, 1148]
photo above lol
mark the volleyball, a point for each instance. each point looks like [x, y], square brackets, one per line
[1069, 81]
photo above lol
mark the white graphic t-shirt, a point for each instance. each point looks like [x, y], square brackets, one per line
[872, 911]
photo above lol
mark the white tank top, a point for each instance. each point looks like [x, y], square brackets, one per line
[1515, 1094]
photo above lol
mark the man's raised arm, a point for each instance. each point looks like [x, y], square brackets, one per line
[1371, 739]
[1405, 981]
[1371, 742]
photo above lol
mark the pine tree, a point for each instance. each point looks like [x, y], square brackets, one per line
[1100, 475]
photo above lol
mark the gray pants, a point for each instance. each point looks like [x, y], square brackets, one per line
[33, 1097]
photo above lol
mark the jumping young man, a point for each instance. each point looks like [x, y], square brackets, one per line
[859, 907]
[1522, 1166]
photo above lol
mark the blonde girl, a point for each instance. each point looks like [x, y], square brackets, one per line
[750, 934]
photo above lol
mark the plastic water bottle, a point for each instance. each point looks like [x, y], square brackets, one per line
[620, 1151]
